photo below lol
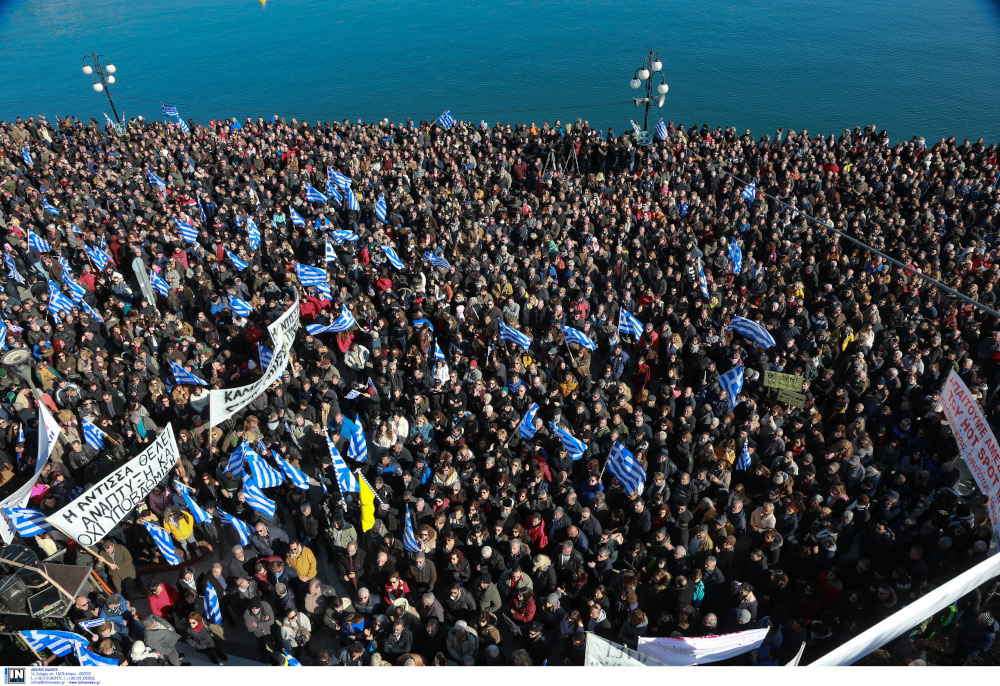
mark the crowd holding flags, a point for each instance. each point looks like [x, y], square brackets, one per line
[752, 330]
[393, 258]
[164, 542]
[527, 427]
[186, 230]
[185, 378]
[256, 498]
[313, 195]
[346, 480]
[623, 465]
[574, 446]
[732, 383]
[628, 324]
[436, 260]
[446, 120]
[509, 334]
[580, 338]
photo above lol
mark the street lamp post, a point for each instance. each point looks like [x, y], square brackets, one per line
[103, 76]
[650, 69]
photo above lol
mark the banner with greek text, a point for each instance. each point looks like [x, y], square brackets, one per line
[226, 402]
[288, 323]
[700, 650]
[98, 510]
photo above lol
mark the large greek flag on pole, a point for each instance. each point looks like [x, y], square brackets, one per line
[58, 302]
[164, 542]
[338, 179]
[237, 262]
[409, 540]
[242, 529]
[88, 658]
[743, 462]
[313, 195]
[298, 479]
[253, 233]
[57, 642]
[213, 611]
[357, 450]
[446, 120]
[624, 467]
[186, 230]
[346, 480]
[750, 193]
[752, 330]
[341, 235]
[527, 426]
[263, 473]
[241, 308]
[628, 324]
[330, 256]
[158, 284]
[393, 258]
[49, 207]
[38, 243]
[702, 281]
[512, 335]
[265, 355]
[574, 446]
[93, 435]
[436, 260]
[297, 219]
[26, 156]
[256, 498]
[193, 507]
[661, 131]
[352, 201]
[184, 377]
[169, 110]
[28, 522]
[237, 458]
[380, 207]
[155, 180]
[580, 338]
[732, 383]
[98, 257]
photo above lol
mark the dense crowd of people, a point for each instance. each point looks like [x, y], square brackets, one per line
[851, 506]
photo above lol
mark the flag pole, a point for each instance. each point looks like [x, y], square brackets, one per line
[566, 341]
[43, 573]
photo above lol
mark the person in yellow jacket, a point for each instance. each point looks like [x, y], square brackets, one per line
[302, 561]
[180, 524]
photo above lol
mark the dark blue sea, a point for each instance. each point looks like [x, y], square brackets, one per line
[913, 67]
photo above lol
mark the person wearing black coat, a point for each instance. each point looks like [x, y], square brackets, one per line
[200, 638]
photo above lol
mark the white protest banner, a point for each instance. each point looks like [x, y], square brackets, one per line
[48, 436]
[603, 653]
[287, 323]
[228, 401]
[89, 517]
[976, 442]
[700, 650]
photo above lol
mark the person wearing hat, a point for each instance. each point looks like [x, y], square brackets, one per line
[259, 621]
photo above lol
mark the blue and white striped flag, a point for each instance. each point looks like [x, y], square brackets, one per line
[409, 540]
[380, 207]
[186, 230]
[264, 474]
[93, 435]
[94, 314]
[635, 127]
[242, 529]
[752, 330]
[527, 426]
[313, 195]
[75, 290]
[294, 474]
[201, 213]
[28, 522]
[26, 156]
[159, 284]
[628, 324]
[3, 334]
[12, 272]
[702, 281]
[235, 259]
[169, 110]
[732, 383]
[580, 338]
[446, 120]
[330, 256]
[736, 256]
[57, 642]
[352, 394]
[58, 302]
[184, 125]
[49, 207]
[310, 276]
[290, 660]
[98, 257]
[184, 377]
[624, 467]
[254, 233]
[346, 480]
[337, 179]
[511, 335]
[165, 543]
[436, 260]
[352, 201]
[155, 180]
[341, 235]
[193, 507]
[438, 354]
[750, 193]
[297, 219]
[88, 658]
[393, 258]
[334, 192]
[236, 459]
[661, 131]
[67, 271]
[743, 462]
[38, 243]
[213, 611]
[574, 446]
[256, 498]
[357, 449]
[265, 355]
[239, 307]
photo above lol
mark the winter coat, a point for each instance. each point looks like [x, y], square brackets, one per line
[199, 639]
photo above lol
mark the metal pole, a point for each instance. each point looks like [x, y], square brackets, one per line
[649, 91]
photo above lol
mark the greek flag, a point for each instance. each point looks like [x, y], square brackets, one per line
[702, 281]
[49, 207]
[38, 243]
[661, 131]
[743, 462]
[265, 355]
[736, 256]
[337, 179]
[512, 335]
[294, 474]
[527, 427]
[185, 378]
[334, 192]
[237, 457]
[201, 213]
[184, 125]
[346, 480]
[393, 258]
[3, 334]
[256, 498]
[628, 324]
[357, 450]
[380, 207]
[187, 231]
[263, 473]
[57, 642]
[750, 193]
[213, 611]
[98, 257]
[88, 658]
[635, 127]
[732, 383]
[76, 291]
[297, 219]
[310, 276]
[28, 522]
[158, 284]
[752, 330]
[330, 256]
[446, 120]
[155, 180]
[290, 660]
[94, 314]
[193, 507]
[438, 355]
[409, 540]
[352, 201]
[574, 446]
[241, 527]
[26, 156]
[12, 272]
[237, 262]
[313, 195]
[164, 543]
[57, 301]
[254, 233]
[67, 271]
[436, 260]
[352, 394]
[580, 338]
[93, 435]
[169, 110]
[241, 308]
[624, 467]
[341, 235]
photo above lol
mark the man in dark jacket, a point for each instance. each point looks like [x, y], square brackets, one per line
[458, 604]
[351, 566]
[422, 575]
[487, 595]
[259, 622]
[158, 635]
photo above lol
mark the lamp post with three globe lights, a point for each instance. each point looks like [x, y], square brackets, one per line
[104, 76]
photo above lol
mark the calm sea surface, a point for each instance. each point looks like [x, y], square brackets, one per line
[914, 67]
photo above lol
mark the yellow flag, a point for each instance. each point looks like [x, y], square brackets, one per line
[367, 505]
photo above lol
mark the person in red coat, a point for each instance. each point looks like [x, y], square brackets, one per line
[522, 606]
[163, 599]
[395, 588]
